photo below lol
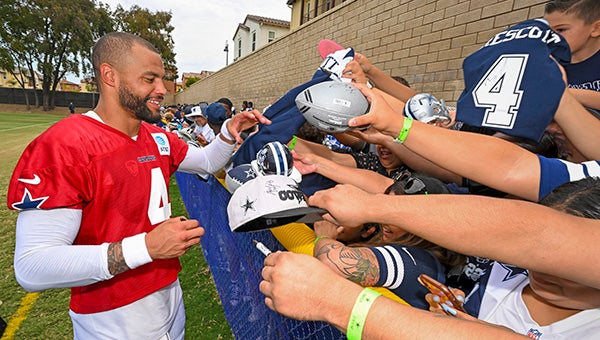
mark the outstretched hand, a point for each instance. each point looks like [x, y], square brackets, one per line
[305, 163]
[381, 116]
[293, 286]
[245, 120]
[346, 204]
[354, 71]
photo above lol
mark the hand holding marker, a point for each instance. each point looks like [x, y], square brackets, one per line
[263, 249]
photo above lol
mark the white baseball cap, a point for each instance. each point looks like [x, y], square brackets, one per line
[267, 202]
[196, 112]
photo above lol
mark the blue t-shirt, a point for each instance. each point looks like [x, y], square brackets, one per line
[512, 85]
[586, 74]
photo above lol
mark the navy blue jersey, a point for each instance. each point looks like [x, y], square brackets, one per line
[512, 85]
[586, 74]
[399, 268]
[555, 172]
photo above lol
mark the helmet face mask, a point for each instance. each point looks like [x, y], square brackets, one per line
[274, 159]
[426, 108]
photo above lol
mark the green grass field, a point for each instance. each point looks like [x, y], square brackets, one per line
[48, 316]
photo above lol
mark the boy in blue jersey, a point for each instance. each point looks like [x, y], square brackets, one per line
[578, 21]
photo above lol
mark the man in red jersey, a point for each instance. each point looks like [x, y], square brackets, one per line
[94, 207]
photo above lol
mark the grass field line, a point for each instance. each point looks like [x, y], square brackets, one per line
[23, 127]
[19, 316]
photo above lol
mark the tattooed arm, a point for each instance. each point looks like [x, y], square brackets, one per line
[358, 264]
[46, 258]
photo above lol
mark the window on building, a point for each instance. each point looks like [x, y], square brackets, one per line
[307, 14]
[239, 48]
[253, 41]
[271, 36]
[327, 4]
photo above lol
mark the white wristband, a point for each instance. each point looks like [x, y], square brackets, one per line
[135, 251]
[225, 132]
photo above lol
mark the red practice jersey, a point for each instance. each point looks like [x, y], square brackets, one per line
[120, 184]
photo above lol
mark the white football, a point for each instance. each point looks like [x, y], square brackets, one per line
[329, 105]
[238, 175]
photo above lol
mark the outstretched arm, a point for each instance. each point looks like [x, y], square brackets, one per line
[487, 160]
[365, 179]
[482, 226]
[357, 264]
[587, 98]
[294, 285]
[380, 79]
[579, 125]
[304, 146]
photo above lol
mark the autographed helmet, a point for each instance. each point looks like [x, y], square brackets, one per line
[187, 135]
[274, 159]
[426, 108]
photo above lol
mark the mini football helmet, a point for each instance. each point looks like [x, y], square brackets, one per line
[187, 135]
[274, 159]
[426, 108]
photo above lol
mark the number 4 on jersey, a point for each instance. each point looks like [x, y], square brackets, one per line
[159, 207]
[499, 91]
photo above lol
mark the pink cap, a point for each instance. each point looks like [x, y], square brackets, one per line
[326, 47]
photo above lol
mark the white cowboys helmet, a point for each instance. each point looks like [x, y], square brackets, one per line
[426, 108]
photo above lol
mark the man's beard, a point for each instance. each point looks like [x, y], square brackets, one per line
[137, 105]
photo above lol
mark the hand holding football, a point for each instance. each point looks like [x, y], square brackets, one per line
[329, 105]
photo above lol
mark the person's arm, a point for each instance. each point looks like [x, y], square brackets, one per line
[45, 256]
[365, 179]
[380, 79]
[304, 146]
[300, 287]
[579, 125]
[500, 229]
[587, 98]
[487, 160]
[357, 264]
[408, 157]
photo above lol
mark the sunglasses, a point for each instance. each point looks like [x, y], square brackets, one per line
[411, 185]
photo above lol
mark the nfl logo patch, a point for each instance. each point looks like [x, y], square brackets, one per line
[534, 333]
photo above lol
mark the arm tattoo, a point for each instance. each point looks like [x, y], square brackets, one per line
[116, 260]
[352, 263]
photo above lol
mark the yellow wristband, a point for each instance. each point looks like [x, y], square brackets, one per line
[363, 303]
[293, 143]
[405, 129]
[320, 237]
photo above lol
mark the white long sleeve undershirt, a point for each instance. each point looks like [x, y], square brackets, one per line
[45, 256]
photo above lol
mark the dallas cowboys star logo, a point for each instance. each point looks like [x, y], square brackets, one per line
[28, 202]
[249, 173]
[512, 271]
[248, 205]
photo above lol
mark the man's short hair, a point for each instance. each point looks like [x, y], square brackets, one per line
[113, 47]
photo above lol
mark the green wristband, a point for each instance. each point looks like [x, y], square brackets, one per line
[405, 129]
[293, 143]
[320, 237]
[363, 303]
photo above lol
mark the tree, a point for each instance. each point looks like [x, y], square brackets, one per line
[153, 26]
[190, 81]
[53, 37]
